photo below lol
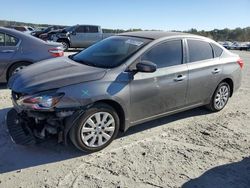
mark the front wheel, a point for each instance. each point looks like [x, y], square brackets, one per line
[96, 128]
[65, 44]
[220, 97]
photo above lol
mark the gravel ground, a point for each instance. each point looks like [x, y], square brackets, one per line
[191, 149]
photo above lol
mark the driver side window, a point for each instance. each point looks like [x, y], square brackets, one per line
[166, 54]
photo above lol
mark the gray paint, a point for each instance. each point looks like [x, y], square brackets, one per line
[142, 96]
[80, 39]
[29, 49]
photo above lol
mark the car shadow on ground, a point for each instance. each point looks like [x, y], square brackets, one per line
[165, 120]
[3, 85]
[14, 157]
[229, 175]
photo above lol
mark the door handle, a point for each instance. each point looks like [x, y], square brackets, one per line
[179, 78]
[8, 51]
[216, 71]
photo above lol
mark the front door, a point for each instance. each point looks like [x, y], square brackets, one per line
[77, 38]
[165, 90]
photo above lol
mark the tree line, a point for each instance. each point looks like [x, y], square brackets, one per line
[237, 34]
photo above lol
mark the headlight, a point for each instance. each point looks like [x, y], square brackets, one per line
[40, 102]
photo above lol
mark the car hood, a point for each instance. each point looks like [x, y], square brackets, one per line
[53, 74]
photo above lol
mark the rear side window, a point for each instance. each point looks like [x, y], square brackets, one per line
[166, 54]
[10, 41]
[217, 50]
[2, 39]
[87, 29]
[199, 50]
[7, 40]
[93, 29]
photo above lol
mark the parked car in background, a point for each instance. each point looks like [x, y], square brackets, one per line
[239, 46]
[79, 36]
[49, 35]
[235, 45]
[119, 82]
[40, 28]
[18, 50]
[46, 30]
[228, 45]
[25, 29]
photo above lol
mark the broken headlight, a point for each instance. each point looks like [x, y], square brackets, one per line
[40, 101]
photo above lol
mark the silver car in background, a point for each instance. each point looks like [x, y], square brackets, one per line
[18, 50]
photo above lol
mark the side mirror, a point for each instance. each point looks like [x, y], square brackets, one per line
[146, 66]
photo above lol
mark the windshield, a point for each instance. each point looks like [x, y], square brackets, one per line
[110, 52]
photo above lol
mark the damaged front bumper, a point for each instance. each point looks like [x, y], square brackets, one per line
[18, 129]
[29, 127]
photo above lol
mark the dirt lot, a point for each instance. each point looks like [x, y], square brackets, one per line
[191, 149]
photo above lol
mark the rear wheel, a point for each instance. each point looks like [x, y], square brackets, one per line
[16, 68]
[220, 97]
[96, 129]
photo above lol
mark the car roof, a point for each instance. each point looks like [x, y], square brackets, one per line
[19, 34]
[156, 34]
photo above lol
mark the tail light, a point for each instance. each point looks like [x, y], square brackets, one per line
[241, 63]
[56, 52]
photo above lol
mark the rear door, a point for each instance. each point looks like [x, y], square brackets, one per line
[8, 48]
[204, 71]
[156, 93]
[93, 34]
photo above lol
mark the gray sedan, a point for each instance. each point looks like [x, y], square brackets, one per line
[18, 50]
[120, 82]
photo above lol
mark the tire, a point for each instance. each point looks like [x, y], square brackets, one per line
[65, 44]
[220, 97]
[16, 67]
[90, 137]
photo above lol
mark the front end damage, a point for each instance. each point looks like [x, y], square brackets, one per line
[28, 126]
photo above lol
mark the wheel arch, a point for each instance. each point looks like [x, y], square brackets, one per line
[229, 81]
[118, 108]
[13, 64]
[64, 39]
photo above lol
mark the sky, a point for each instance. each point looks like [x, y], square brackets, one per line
[125, 14]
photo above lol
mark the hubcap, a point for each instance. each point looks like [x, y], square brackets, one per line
[221, 97]
[98, 129]
[18, 69]
[65, 45]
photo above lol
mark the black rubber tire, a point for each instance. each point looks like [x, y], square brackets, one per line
[211, 105]
[14, 67]
[65, 43]
[75, 131]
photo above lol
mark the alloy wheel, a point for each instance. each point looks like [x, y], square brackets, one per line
[18, 69]
[65, 45]
[221, 97]
[98, 129]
